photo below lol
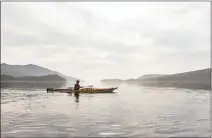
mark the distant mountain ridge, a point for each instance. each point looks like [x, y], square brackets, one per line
[199, 79]
[30, 70]
[203, 75]
[111, 80]
[149, 76]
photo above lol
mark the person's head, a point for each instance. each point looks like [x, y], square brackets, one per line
[77, 81]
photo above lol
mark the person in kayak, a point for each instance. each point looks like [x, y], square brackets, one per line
[77, 86]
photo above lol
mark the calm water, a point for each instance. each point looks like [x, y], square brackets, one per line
[131, 111]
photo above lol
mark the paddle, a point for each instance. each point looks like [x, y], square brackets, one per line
[89, 86]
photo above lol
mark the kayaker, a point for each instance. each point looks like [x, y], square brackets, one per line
[77, 86]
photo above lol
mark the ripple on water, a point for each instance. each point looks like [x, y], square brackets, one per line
[109, 133]
[115, 125]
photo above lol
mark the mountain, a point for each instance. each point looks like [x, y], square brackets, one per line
[111, 81]
[192, 76]
[47, 78]
[30, 70]
[200, 79]
[149, 76]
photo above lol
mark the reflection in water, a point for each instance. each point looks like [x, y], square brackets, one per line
[31, 85]
[69, 94]
[76, 94]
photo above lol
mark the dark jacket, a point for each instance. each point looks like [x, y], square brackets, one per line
[77, 87]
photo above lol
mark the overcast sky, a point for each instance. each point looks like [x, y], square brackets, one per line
[94, 40]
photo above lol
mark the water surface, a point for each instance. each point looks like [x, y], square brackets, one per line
[131, 111]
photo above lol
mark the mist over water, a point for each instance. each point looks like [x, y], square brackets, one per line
[27, 110]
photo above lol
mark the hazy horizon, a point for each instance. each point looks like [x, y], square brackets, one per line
[101, 40]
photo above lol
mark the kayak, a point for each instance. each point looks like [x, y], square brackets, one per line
[97, 90]
[83, 90]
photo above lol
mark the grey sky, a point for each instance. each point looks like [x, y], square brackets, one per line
[95, 40]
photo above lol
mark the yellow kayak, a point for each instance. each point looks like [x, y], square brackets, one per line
[83, 90]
